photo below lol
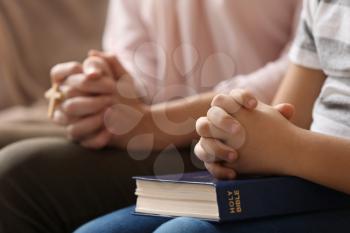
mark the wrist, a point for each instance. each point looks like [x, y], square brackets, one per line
[143, 126]
[292, 152]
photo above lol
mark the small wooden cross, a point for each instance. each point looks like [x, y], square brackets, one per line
[54, 96]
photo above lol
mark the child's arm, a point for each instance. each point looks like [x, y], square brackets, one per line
[300, 87]
[324, 159]
[275, 146]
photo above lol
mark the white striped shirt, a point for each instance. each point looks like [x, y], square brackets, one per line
[323, 42]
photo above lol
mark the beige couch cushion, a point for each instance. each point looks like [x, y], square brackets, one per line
[35, 35]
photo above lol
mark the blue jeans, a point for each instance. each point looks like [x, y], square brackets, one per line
[123, 221]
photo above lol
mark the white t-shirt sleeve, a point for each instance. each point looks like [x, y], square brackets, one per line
[304, 50]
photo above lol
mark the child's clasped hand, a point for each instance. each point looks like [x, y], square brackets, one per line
[241, 135]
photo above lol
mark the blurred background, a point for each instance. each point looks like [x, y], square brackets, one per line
[171, 48]
[34, 36]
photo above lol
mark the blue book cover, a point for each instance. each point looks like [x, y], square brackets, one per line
[256, 197]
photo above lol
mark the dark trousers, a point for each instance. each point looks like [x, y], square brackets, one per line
[50, 185]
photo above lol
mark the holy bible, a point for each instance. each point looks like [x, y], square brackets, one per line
[201, 196]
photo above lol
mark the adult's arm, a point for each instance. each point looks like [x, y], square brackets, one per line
[165, 124]
[264, 82]
[128, 38]
[169, 123]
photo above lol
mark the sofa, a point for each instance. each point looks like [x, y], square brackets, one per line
[34, 36]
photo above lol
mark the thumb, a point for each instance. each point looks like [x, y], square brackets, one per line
[113, 62]
[287, 110]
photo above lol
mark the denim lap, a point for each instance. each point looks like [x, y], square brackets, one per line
[122, 221]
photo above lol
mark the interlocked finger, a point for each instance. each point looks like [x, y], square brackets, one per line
[219, 171]
[208, 130]
[215, 151]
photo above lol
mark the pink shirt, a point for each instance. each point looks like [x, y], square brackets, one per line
[178, 48]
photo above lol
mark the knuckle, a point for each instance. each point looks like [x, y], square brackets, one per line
[218, 100]
[70, 92]
[215, 155]
[211, 111]
[208, 153]
[54, 71]
[60, 118]
[69, 106]
[217, 150]
[209, 158]
[203, 156]
[238, 95]
[202, 126]
[72, 132]
[206, 145]
[197, 151]
[222, 120]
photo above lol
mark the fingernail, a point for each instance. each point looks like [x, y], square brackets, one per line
[91, 70]
[251, 103]
[232, 156]
[94, 75]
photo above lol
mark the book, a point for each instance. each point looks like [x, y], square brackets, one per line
[199, 195]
